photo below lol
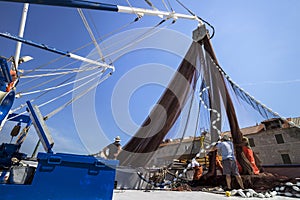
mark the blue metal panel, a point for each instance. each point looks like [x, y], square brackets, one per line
[40, 126]
[5, 76]
[66, 177]
[19, 118]
[6, 102]
[4, 71]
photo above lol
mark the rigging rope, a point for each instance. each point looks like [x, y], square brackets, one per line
[61, 68]
[192, 13]
[137, 14]
[58, 86]
[34, 99]
[51, 70]
[77, 97]
[170, 6]
[72, 100]
[138, 39]
[150, 4]
[165, 5]
[86, 45]
[39, 67]
[77, 70]
[46, 64]
[246, 96]
[48, 81]
[86, 24]
[51, 100]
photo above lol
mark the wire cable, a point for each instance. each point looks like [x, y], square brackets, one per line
[51, 100]
[165, 5]
[77, 97]
[56, 87]
[170, 6]
[192, 13]
[61, 73]
[88, 28]
[138, 39]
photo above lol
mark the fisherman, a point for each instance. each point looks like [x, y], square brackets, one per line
[249, 154]
[112, 150]
[225, 147]
[198, 169]
[14, 77]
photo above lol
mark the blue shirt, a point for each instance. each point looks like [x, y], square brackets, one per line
[226, 149]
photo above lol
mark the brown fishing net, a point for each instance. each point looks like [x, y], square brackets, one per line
[198, 79]
[139, 150]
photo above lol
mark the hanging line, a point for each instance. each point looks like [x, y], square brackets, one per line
[152, 6]
[134, 41]
[59, 86]
[77, 97]
[170, 5]
[48, 81]
[192, 13]
[46, 64]
[137, 14]
[140, 38]
[236, 86]
[85, 22]
[68, 92]
[165, 5]
[84, 46]
[41, 105]
[77, 70]
[39, 96]
[51, 70]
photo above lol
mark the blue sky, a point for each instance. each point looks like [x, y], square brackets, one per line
[256, 43]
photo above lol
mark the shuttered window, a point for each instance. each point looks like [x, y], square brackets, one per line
[279, 138]
[286, 158]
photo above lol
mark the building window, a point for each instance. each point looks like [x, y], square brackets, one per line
[251, 142]
[286, 158]
[279, 138]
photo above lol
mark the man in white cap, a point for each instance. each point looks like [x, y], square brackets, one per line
[112, 150]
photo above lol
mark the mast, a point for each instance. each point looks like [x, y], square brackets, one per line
[21, 34]
[109, 7]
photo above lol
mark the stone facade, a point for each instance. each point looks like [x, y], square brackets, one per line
[277, 145]
[274, 141]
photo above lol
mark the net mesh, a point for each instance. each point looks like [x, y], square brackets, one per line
[199, 97]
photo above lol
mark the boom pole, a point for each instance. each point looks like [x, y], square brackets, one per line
[109, 7]
[54, 50]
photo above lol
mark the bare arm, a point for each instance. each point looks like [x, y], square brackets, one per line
[104, 150]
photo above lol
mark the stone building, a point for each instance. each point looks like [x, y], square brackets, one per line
[275, 141]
